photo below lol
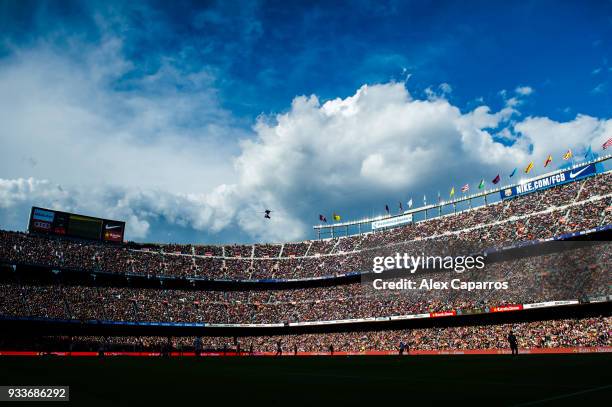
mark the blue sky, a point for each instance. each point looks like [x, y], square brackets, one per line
[185, 93]
[265, 53]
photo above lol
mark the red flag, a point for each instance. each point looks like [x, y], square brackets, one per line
[607, 144]
[496, 179]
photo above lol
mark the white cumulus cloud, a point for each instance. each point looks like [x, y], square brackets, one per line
[524, 90]
[157, 156]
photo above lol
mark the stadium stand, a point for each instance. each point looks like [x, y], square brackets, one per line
[563, 333]
[568, 208]
[577, 275]
[530, 280]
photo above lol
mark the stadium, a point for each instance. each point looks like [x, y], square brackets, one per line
[66, 295]
[334, 203]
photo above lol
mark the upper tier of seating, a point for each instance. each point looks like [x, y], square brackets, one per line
[563, 209]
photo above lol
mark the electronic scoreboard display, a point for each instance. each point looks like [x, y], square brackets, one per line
[72, 225]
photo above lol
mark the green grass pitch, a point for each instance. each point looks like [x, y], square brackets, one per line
[493, 380]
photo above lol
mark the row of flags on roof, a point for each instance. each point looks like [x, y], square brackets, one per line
[335, 217]
[481, 185]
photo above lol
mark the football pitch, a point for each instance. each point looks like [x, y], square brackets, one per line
[493, 380]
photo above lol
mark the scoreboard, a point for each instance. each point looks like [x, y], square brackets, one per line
[72, 225]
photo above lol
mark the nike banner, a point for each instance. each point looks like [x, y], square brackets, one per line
[113, 231]
[549, 181]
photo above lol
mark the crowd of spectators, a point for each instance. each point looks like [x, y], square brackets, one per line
[571, 273]
[567, 208]
[267, 250]
[559, 333]
[568, 274]
[209, 250]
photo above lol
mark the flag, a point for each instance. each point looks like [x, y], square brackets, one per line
[588, 153]
[548, 161]
[607, 144]
[528, 168]
[512, 173]
[387, 208]
[322, 218]
[452, 193]
[401, 207]
[465, 188]
[497, 178]
[336, 217]
[569, 154]
[410, 203]
[424, 200]
[482, 183]
[439, 197]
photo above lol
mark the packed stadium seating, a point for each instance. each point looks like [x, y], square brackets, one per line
[579, 273]
[568, 208]
[584, 332]
[574, 274]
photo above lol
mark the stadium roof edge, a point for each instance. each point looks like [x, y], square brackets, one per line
[486, 192]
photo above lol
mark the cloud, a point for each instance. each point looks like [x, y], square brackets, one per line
[515, 101]
[548, 136]
[524, 90]
[121, 111]
[319, 157]
[600, 88]
[443, 91]
[84, 130]
[139, 207]
[70, 119]
[445, 88]
[156, 149]
[313, 158]
[380, 143]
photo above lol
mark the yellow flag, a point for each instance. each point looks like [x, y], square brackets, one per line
[529, 167]
[568, 155]
[452, 192]
[548, 160]
[336, 217]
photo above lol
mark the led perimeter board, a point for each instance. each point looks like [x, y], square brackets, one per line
[72, 225]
